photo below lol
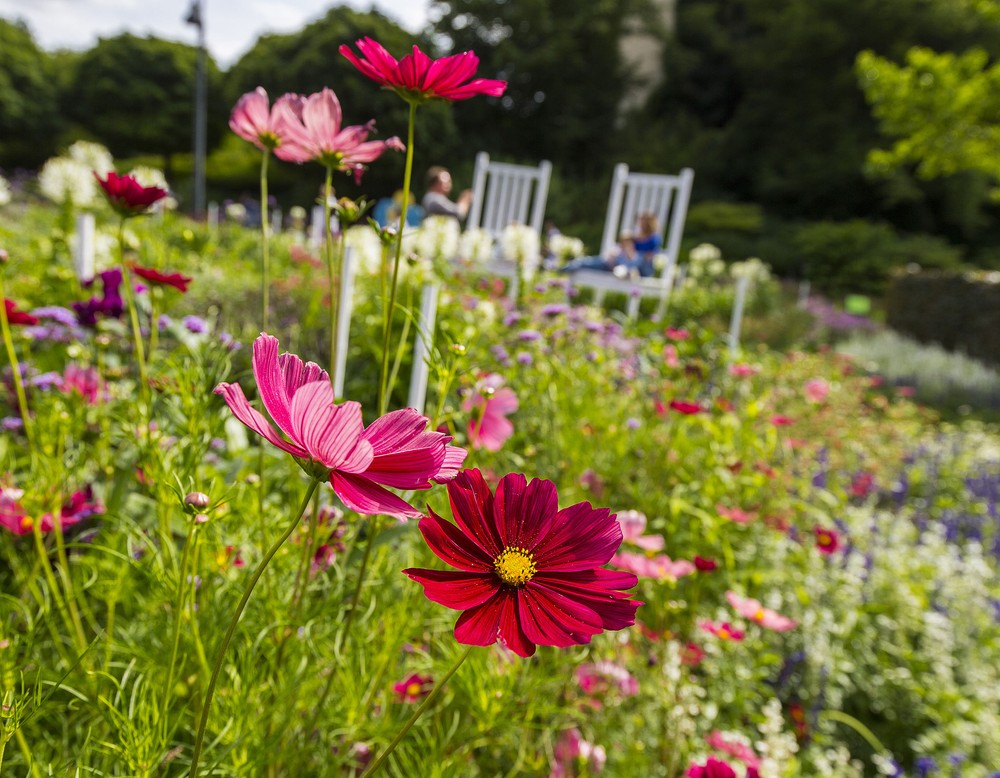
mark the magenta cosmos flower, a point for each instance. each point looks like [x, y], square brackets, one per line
[16, 316]
[331, 441]
[127, 196]
[527, 572]
[713, 768]
[318, 134]
[153, 276]
[751, 609]
[266, 127]
[418, 78]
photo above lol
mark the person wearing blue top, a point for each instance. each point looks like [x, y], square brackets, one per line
[648, 243]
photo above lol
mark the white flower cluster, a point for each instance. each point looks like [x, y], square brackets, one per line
[4, 191]
[435, 241]
[93, 156]
[705, 261]
[367, 247]
[758, 272]
[476, 246]
[66, 181]
[836, 763]
[520, 243]
[776, 746]
[565, 248]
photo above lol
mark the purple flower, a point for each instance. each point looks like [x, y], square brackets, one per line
[524, 358]
[529, 335]
[195, 324]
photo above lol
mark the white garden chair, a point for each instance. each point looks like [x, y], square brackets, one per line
[505, 194]
[666, 197]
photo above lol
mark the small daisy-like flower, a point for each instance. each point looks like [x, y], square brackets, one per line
[827, 540]
[527, 572]
[414, 688]
[751, 609]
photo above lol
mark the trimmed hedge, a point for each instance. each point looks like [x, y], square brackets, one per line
[959, 311]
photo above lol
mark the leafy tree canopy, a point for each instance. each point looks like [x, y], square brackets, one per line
[136, 95]
[29, 120]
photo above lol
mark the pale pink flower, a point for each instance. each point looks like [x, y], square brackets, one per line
[85, 381]
[751, 609]
[734, 747]
[737, 515]
[489, 407]
[572, 752]
[598, 678]
[816, 390]
[265, 127]
[742, 370]
[722, 630]
[670, 355]
[659, 568]
[331, 441]
[320, 136]
[633, 523]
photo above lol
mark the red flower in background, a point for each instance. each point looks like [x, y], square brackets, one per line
[414, 688]
[15, 316]
[827, 541]
[713, 768]
[704, 565]
[176, 280]
[527, 572]
[127, 196]
[418, 78]
[685, 407]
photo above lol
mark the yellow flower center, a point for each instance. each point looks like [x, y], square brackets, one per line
[759, 615]
[515, 566]
[724, 633]
[414, 689]
[27, 523]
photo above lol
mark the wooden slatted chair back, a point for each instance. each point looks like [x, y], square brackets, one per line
[504, 193]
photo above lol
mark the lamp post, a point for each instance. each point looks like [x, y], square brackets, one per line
[196, 18]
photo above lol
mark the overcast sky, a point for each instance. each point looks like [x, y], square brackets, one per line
[231, 26]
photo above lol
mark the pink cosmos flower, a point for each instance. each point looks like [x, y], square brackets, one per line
[733, 747]
[84, 381]
[489, 406]
[633, 523]
[418, 78]
[816, 390]
[318, 135]
[16, 316]
[862, 484]
[331, 441]
[414, 688]
[779, 420]
[527, 572]
[827, 540]
[737, 515]
[127, 196]
[742, 370]
[677, 334]
[751, 609]
[265, 127]
[81, 505]
[670, 355]
[723, 630]
[713, 768]
[573, 752]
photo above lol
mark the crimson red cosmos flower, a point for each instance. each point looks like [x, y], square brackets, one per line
[705, 565]
[127, 196]
[685, 407]
[15, 316]
[417, 78]
[827, 541]
[414, 688]
[176, 280]
[528, 573]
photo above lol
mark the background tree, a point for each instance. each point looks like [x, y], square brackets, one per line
[136, 95]
[29, 119]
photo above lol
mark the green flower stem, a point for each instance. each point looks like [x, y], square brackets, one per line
[8, 342]
[331, 269]
[140, 353]
[374, 766]
[265, 255]
[302, 576]
[857, 726]
[74, 625]
[220, 656]
[168, 687]
[69, 592]
[383, 395]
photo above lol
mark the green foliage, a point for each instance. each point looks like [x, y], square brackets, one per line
[135, 93]
[959, 311]
[29, 121]
[858, 255]
[943, 109]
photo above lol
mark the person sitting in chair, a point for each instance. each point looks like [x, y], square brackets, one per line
[648, 243]
[621, 261]
[436, 201]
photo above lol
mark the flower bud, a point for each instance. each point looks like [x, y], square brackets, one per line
[198, 500]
